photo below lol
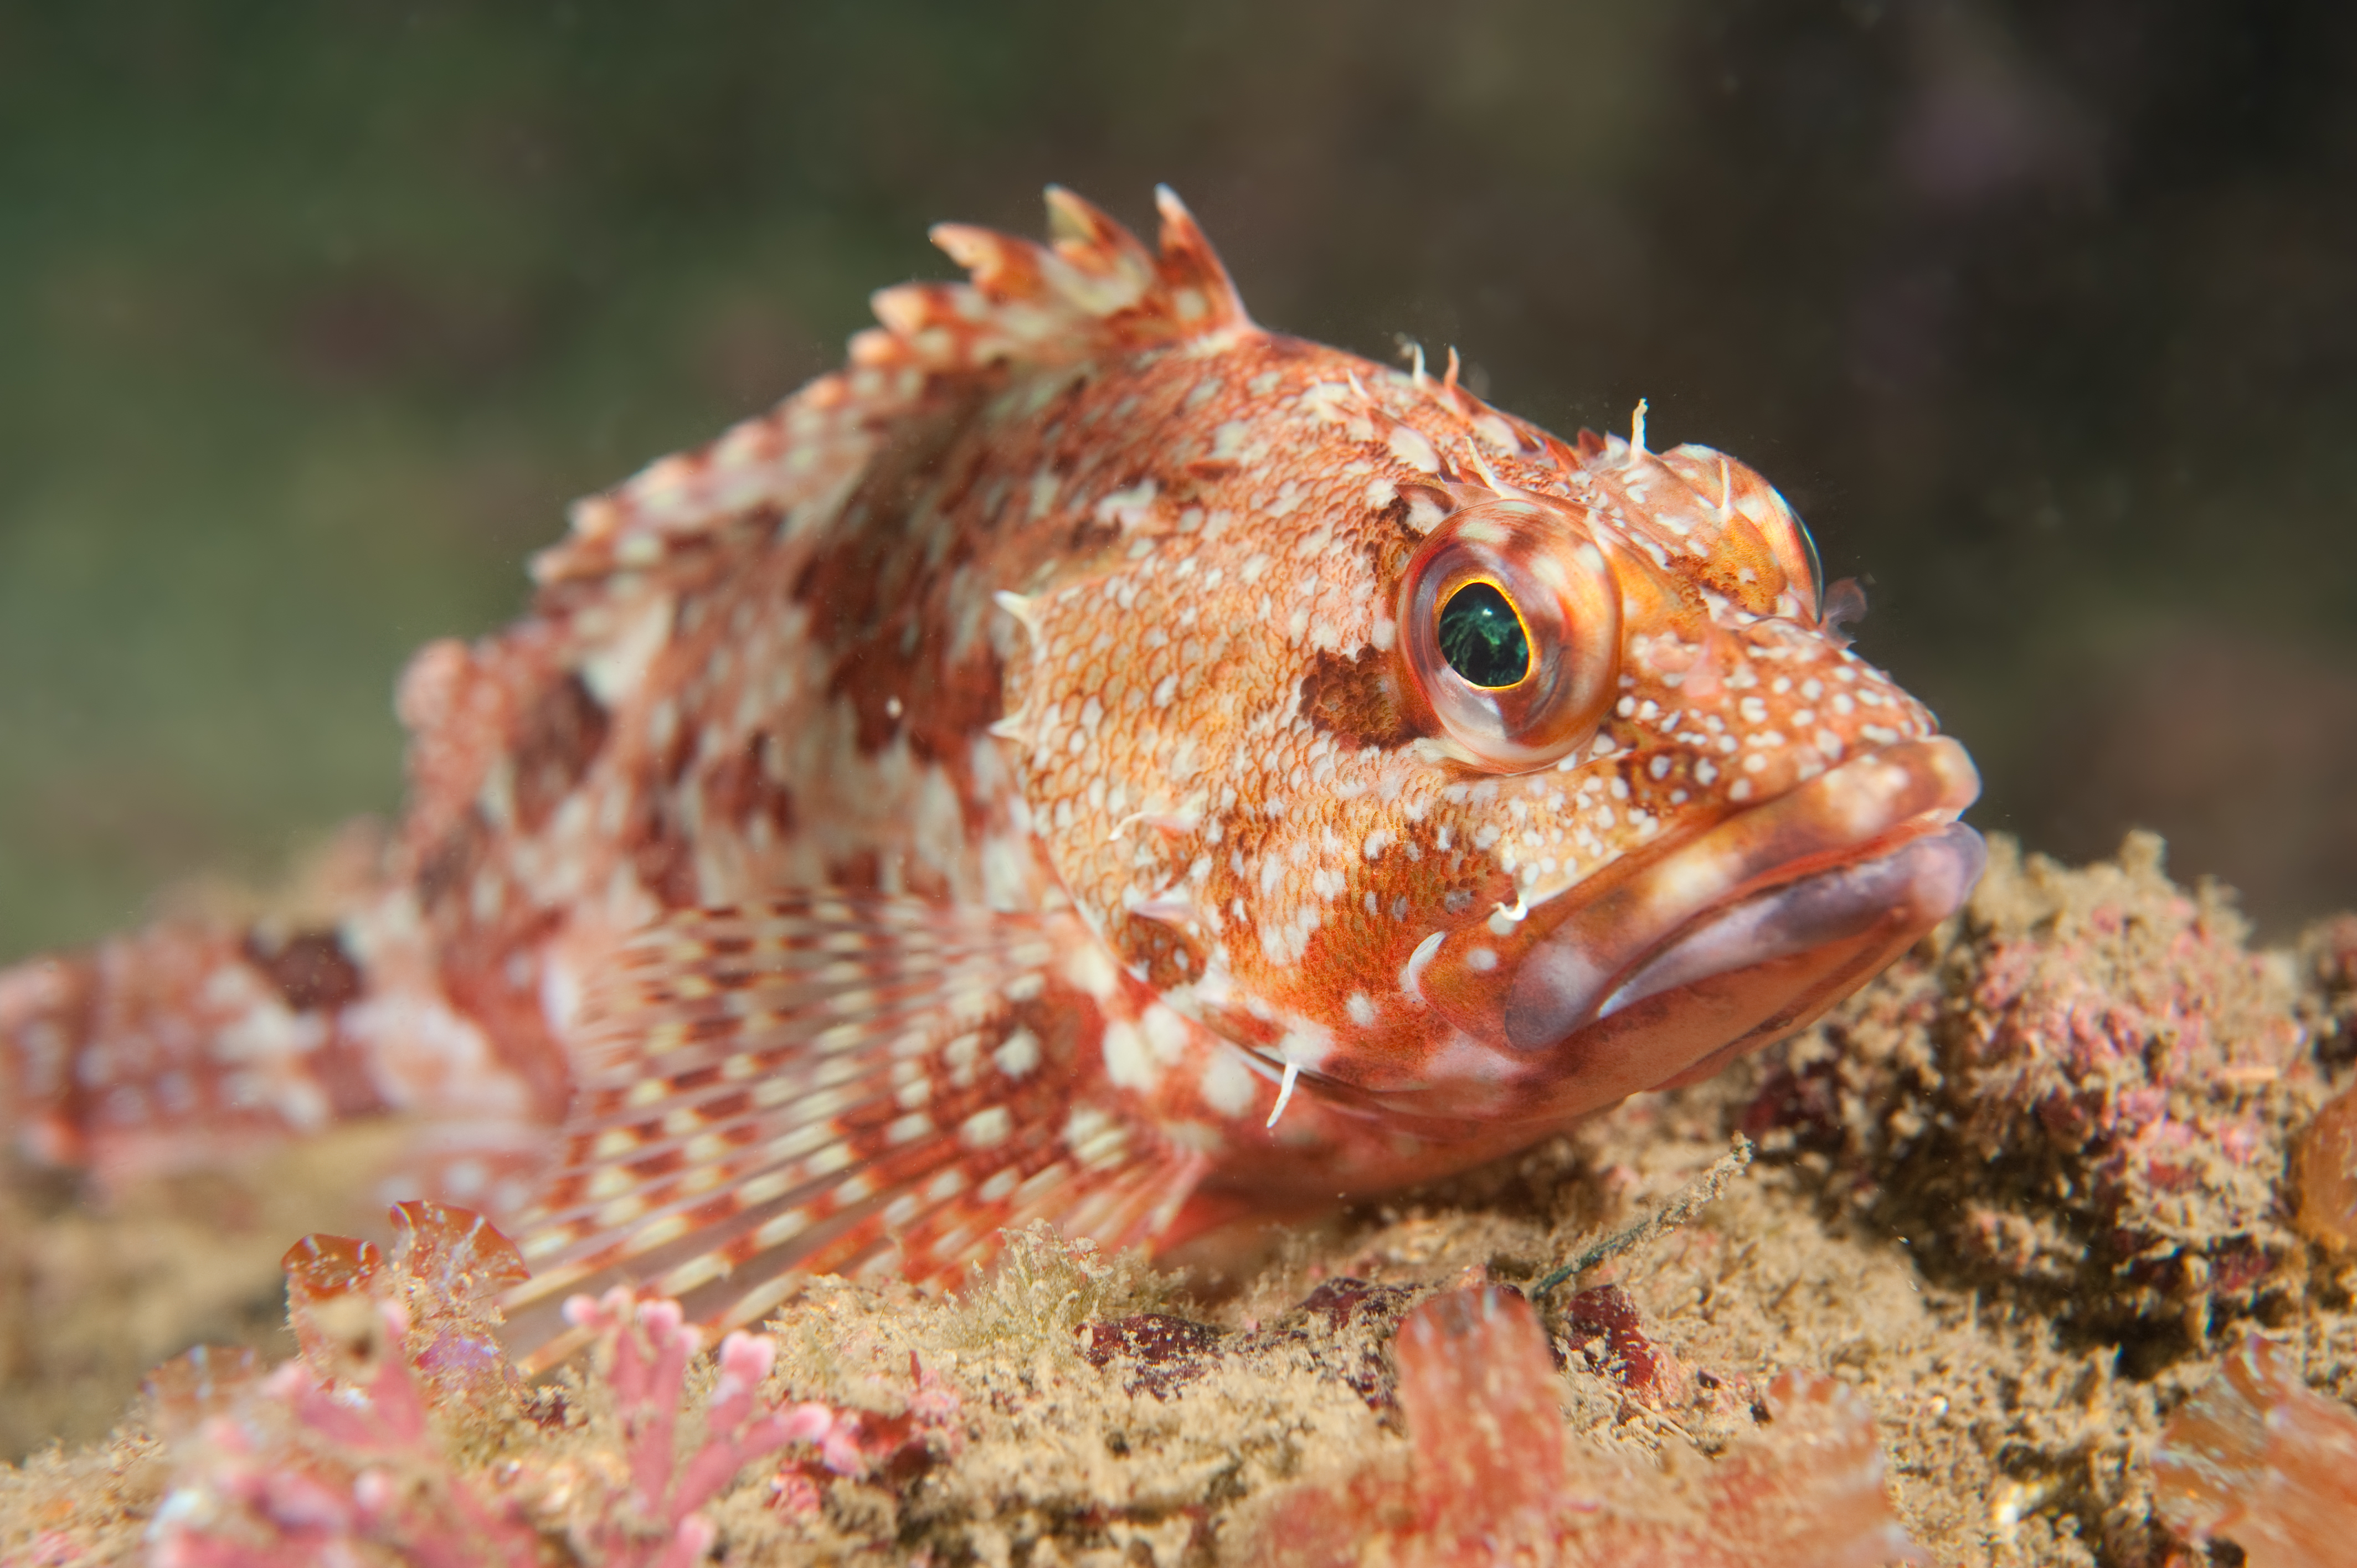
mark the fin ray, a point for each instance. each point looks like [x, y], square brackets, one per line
[838, 1082]
[1093, 287]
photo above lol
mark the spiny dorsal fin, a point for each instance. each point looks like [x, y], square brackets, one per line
[838, 1084]
[1093, 287]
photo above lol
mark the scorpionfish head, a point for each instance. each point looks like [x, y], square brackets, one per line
[1497, 800]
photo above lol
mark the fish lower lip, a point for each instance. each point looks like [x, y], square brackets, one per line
[1825, 860]
[1921, 882]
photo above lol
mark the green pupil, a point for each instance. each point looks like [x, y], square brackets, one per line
[1482, 638]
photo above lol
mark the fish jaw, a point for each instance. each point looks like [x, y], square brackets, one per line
[1661, 971]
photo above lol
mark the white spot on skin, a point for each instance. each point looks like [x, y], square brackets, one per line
[1127, 1065]
[1167, 1035]
[1361, 1010]
[1018, 1053]
[1480, 960]
[620, 668]
[1096, 1140]
[986, 1128]
[1091, 970]
[1409, 447]
[1229, 1086]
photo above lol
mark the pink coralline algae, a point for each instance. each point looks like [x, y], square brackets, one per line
[1490, 1476]
[2112, 1066]
[385, 1432]
[2258, 1458]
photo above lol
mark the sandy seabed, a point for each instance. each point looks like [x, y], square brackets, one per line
[2022, 1193]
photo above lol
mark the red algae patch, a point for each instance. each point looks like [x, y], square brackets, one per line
[1489, 1477]
[2257, 1458]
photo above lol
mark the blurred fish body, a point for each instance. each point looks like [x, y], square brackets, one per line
[1090, 758]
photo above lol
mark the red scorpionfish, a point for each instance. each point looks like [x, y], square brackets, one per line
[1091, 758]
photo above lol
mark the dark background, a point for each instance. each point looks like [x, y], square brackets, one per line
[312, 317]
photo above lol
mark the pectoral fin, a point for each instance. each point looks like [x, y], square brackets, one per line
[838, 1083]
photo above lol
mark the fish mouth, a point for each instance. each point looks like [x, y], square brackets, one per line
[1758, 923]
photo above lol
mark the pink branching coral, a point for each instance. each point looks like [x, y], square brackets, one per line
[1490, 1478]
[2258, 1458]
[357, 1442]
[644, 1350]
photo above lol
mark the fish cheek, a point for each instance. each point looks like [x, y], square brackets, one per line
[1362, 701]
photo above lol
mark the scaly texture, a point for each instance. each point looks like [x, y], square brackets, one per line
[1090, 758]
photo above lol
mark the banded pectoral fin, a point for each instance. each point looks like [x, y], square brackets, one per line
[844, 1084]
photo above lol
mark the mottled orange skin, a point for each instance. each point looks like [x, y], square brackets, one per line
[1070, 608]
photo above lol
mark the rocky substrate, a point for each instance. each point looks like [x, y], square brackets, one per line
[2065, 1174]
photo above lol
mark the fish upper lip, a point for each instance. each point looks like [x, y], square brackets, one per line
[1595, 955]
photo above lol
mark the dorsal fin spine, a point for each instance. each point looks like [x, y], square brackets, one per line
[1093, 288]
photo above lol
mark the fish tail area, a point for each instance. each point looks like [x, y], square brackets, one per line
[853, 1084]
[1093, 288]
[218, 1032]
[183, 1045]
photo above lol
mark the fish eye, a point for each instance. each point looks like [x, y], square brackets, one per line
[1483, 639]
[1510, 618]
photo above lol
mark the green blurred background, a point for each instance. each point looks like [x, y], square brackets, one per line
[312, 316]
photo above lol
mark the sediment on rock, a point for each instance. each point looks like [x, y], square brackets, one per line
[2020, 1199]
